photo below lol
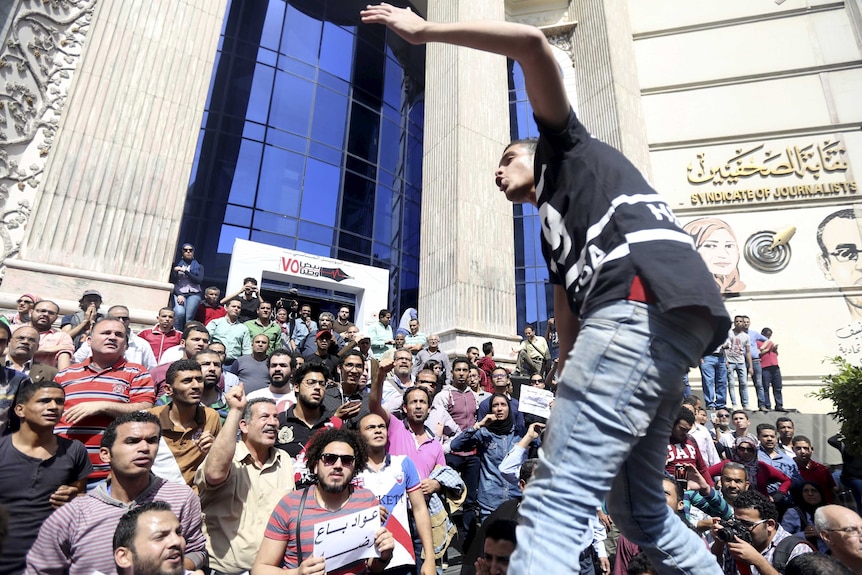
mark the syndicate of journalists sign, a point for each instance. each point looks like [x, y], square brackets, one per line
[760, 163]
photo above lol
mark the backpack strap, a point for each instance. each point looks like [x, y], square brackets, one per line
[784, 549]
[298, 526]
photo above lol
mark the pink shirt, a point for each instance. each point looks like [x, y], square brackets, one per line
[770, 358]
[402, 441]
[53, 338]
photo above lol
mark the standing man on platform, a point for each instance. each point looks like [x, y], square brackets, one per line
[163, 335]
[628, 280]
[231, 332]
[264, 325]
[381, 334]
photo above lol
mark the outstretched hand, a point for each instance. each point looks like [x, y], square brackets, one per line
[402, 21]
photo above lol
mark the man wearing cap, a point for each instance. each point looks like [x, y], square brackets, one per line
[25, 305]
[323, 356]
[186, 276]
[78, 324]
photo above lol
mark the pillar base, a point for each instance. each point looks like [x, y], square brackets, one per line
[65, 285]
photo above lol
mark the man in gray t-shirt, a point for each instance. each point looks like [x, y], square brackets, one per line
[738, 357]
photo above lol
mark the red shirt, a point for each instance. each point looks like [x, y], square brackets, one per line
[160, 341]
[819, 474]
[206, 314]
[122, 383]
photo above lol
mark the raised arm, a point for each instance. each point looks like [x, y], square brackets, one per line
[221, 453]
[525, 44]
[375, 397]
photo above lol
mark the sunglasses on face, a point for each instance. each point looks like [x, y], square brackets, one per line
[27, 301]
[329, 459]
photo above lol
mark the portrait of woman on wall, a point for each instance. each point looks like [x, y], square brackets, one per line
[716, 243]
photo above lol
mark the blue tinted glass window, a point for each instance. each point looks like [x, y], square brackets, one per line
[237, 215]
[291, 103]
[254, 131]
[385, 210]
[320, 200]
[273, 222]
[286, 140]
[271, 33]
[364, 130]
[390, 146]
[330, 117]
[301, 36]
[227, 237]
[392, 83]
[357, 205]
[316, 249]
[261, 91]
[336, 51]
[325, 153]
[273, 239]
[244, 184]
[315, 233]
[280, 181]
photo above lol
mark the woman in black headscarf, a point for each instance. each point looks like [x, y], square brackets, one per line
[492, 437]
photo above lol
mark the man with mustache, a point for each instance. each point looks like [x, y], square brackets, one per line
[241, 481]
[149, 541]
[100, 389]
[76, 539]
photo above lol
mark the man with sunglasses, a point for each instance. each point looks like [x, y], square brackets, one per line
[26, 303]
[336, 456]
[766, 554]
[840, 239]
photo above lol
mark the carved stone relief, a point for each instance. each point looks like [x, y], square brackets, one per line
[38, 58]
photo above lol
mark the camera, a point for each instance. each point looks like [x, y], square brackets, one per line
[731, 529]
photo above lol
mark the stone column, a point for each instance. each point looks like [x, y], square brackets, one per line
[467, 279]
[607, 78]
[105, 127]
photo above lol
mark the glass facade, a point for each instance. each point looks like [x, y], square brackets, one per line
[311, 140]
[534, 294]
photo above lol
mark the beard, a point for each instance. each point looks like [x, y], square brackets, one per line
[334, 485]
[151, 566]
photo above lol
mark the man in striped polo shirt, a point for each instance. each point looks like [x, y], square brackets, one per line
[336, 456]
[101, 388]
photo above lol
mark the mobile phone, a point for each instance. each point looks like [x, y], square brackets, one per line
[680, 474]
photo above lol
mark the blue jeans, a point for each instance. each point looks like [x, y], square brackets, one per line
[713, 377]
[772, 378]
[757, 376]
[618, 396]
[741, 375]
[185, 312]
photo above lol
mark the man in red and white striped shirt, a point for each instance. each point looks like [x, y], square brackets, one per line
[100, 389]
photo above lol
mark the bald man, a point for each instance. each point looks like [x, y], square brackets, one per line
[841, 529]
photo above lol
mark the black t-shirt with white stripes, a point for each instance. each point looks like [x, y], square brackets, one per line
[602, 224]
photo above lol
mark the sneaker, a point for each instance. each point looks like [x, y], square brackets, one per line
[763, 409]
[781, 409]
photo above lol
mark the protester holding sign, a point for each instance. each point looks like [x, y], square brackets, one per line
[312, 530]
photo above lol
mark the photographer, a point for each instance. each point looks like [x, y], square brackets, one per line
[250, 298]
[754, 541]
